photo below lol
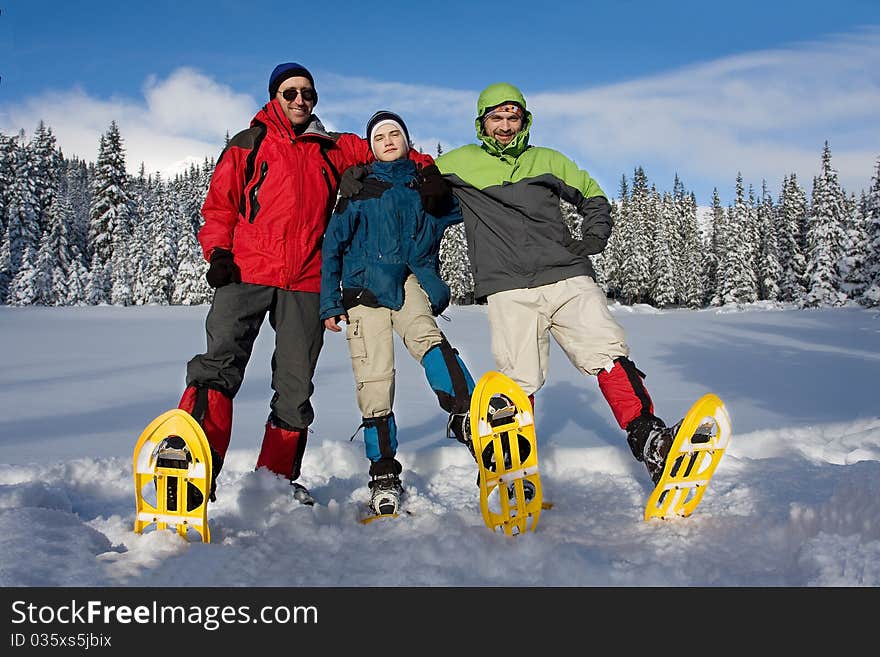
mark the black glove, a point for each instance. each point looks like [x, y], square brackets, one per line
[578, 248]
[584, 248]
[223, 269]
[352, 180]
[436, 192]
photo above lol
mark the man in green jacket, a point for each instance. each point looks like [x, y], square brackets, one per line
[537, 278]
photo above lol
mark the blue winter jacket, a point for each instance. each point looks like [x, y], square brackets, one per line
[377, 238]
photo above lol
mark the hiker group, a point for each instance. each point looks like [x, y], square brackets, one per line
[327, 231]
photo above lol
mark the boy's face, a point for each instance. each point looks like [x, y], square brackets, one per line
[388, 143]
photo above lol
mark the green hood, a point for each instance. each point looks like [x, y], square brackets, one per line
[493, 95]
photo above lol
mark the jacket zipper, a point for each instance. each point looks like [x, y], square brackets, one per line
[255, 190]
[330, 199]
[331, 194]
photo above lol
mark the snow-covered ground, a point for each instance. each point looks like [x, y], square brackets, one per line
[795, 501]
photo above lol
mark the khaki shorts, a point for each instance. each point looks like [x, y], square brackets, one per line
[370, 337]
[574, 311]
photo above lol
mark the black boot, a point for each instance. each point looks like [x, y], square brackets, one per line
[385, 492]
[216, 466]
[385, 486]
[459, 427]
[301, 494]
[650, 439]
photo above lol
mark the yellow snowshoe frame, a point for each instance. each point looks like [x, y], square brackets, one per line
[512, 516]
[692, 459]
[147, 473]
[367, 519]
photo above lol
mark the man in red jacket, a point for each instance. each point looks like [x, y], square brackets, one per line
[272, 192]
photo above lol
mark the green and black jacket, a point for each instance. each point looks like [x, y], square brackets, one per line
[509, 199]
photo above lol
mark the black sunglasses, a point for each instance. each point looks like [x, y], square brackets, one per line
[309, 95]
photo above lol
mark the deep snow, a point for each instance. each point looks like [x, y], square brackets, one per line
[795, 501]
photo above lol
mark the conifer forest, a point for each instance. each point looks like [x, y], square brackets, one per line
[88, 233]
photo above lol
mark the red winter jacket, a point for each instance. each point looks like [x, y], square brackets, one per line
[271, 196]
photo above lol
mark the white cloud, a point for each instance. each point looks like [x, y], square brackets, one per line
[764, 114]
[189, 103]
[432, 114]
[180, 120]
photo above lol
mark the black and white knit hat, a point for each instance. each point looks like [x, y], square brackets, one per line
[384, 117]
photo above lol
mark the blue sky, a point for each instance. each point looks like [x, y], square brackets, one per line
[704, 90]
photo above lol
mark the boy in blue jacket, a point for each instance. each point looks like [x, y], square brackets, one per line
[380, 273]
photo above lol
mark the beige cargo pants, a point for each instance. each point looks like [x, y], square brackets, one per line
[574, 311]
[370, 337]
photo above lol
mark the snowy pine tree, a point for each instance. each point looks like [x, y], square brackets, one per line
[7, 174]
[615, 250]
[688, 249]
[59, 253]
[853, 264]
[142, 200]
[73, 197]
[164, 221]
[190, 286]
[769, 268]
[22, 217]
[738, 284]
[677, 230]
[635, 274]
[45, 171]
[753, 250]
[121, 271]
[204, 182]
[28, 282]
[110, 223]
[825, 237]
[76, 184]
[43, 292]
[654, 232]
[75, 232]
[77, 284]
[871, 295]
[191, 191]
[5, 267]
[726, 258]
[712, 271]
[7, 153]
[455, 265]
[791, 224]
[99, 281]
[662, 260]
